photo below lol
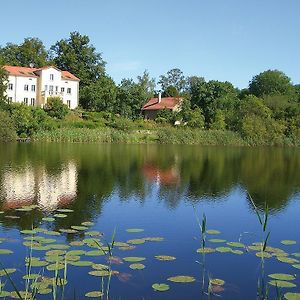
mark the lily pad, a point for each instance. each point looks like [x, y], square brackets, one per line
[53, 258]
[120, 244]
[87, 223]
[100, 267]
[44, 291]
[238, 252]
[288, 242]
[206, 250]
[182, 279]
[137, 266]
[133, 258]
[160, 287]
[236, 244]
[51, 232]
[72, 258]
[136, 241]
[55, 252]
[48, 219]
[32, 276]
[263, 254]
[65, 210]
[81, 263]
[100, 273]
[68, 230]
[282, 276]
[125, 248]
[4, 294]
[76, 243]
[154, 239]
[217, 281]
[292, 296]
[288, 260]
[223, 249]
[79, 227]
[55, 267]
[165, 257]
[58, 246]
[60, 216]
[5, 251]
[94, 253]
[38, 263]
[213, 231]
[28, 231]
[76, 252]
[93, 233]
[282, 284]
[296, 254]
[134, 230]
[94, 294]
[217, 241]
[297, 266]
[8, 271]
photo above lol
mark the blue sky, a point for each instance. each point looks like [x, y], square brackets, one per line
[218, 39]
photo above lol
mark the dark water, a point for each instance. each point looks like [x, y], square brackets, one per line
[160, 189]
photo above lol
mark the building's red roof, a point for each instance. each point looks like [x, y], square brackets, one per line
[166, 102]
[31, 72]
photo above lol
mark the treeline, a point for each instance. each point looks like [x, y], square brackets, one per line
[266, 112]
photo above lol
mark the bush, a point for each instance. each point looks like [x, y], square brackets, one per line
[121, 124]
[7, 130]
[55, 108]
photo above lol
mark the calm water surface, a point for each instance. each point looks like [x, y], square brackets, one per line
[160, 189]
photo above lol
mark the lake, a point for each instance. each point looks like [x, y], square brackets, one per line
[56, 198]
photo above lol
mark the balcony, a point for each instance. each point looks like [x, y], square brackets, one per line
[46, 94]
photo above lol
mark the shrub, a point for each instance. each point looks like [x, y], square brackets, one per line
[7, 130]
[55, 108]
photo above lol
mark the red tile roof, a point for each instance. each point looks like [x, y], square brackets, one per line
[31, 72]
[166, 102]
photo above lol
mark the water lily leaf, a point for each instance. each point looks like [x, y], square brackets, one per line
[94, 253]
[25, 295]
[217, 281]
[100, 267]
[206, 250]
[297, 266]
[72, 258]
[134, 230]
[59, 246]
[94, 294]
[81, 263]
[120, 244]
[54, 258]
[47, 241]
[282, 284]
[4, 294]
[217, 241]
[93, 233]
[288, 242]
[65, 210]
[154, 239]
[31, 244]
[28, 231]
[165, 257]
[182, 279]
[51, 232]
[48, 219]
[137, 266]
[76, 243]
[79, 227]
[5, 251]
[124, 248]
[296, 254]
[68, 230]
[24, 209]
[76, 252]
[44, 291]
[292, 296]
[8, 271]
[133, 258]
[87, 223]
[288, 260]
[282, 276]
[31, 276]
[254, 248]
[55, 267]
[60, 215]
[263, 254]
[136, 241]
[100, 273]
[55, 252]
[223, 249]
[235, 244]
[213, 231]
[160, 287]
[238, 252]
[38, 263]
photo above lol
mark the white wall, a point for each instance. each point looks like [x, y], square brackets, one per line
[73, 96]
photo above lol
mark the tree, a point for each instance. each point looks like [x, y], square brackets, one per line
[174, 78]
[270, 83]
[7, 130]
[3, 87]
[31, 52]
[147, 83]
[99, 95]
[196, 118]
[78, 56]
[55, 108]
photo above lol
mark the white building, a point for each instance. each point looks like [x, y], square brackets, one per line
[33, 86]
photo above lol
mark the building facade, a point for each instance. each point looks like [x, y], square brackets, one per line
[33, 86]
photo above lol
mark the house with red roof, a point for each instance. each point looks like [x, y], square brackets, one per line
[154, 105]
[33, 86]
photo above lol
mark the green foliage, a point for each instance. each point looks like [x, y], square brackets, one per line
[219, 121]
[76, 55]
[196, 118]
[165, 116]
[174, 82]
[7, 130]
[270, 83]
[99, 95]
[55, 108]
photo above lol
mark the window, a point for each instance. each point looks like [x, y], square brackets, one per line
[10, 86]
[25, 101]
[62, 89]
[56, 89]
[46, 87]
[32, 101]
[68, 90]
[51, 88]
[51, 77]
[9, 99]
[33, 88]
[26, 87]
[69, 103]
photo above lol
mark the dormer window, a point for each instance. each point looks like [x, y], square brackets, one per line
[51, 77]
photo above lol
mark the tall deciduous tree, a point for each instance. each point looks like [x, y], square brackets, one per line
[3, 87]
[270, 83]
[78, 56]
[173, 78]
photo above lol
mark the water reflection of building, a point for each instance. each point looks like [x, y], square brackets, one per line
[30, 186]
[170, 176]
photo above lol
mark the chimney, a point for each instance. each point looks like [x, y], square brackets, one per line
[159, 97]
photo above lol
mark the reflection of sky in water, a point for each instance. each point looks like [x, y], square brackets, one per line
[29, 186]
